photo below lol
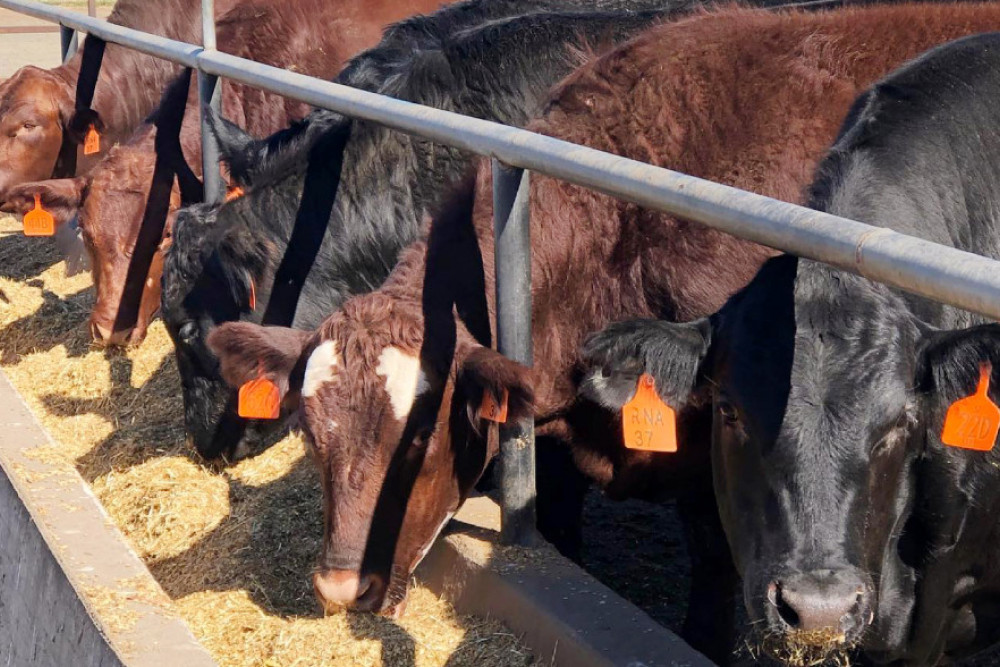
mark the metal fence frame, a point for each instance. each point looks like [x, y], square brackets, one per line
[941, 273]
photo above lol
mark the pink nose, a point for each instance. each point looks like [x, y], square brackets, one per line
[104, 336]
[345, 589]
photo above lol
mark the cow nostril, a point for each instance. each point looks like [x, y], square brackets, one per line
[786, 613]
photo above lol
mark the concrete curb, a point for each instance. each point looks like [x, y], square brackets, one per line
[71, 590]
[567, 617]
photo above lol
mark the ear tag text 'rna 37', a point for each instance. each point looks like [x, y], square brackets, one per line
[648, 423]
[38, 221]
[973, 422]
[259, 399]
[92, 141]
[490, 410]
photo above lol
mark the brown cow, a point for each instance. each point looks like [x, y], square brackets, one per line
[313, 37]
[391, 384]
[37, 106]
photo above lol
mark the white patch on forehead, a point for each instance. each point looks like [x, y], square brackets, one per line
[404, 380]
[321, 368]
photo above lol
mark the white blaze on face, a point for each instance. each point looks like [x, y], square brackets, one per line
[321, 368]
[403, 379]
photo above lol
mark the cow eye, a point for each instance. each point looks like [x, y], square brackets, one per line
[188, 332]
[728, 412]
[423, 438]
[28, 125]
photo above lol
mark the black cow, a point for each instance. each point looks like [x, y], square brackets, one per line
[829, 391]
[331, 202]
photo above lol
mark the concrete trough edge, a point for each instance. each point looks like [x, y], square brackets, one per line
[64, 566]
[566, 617]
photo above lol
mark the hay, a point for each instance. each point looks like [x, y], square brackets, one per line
[232, 547]
[811, 648]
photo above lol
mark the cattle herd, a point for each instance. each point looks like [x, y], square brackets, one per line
[352, 268]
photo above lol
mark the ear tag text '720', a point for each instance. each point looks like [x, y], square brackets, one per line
[92, 141]
[972, 422]
[259, 399]
[490, 410]
[38, 221]
[648, 423]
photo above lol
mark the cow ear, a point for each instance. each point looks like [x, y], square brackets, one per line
[486, 370]
[247, 351]
[237, 148]
[62, 197]
[671, 352]
[948, 362]
[79, 122]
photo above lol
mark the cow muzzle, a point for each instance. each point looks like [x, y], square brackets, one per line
[106, 338]
[826, 609]
[348, 589]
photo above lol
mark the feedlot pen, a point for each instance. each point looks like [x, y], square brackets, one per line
[230, 546]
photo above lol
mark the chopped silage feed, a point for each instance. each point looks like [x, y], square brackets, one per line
[231, 546]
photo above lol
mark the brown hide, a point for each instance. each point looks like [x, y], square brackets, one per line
[312, 37]
[36, 105]
[749, 98]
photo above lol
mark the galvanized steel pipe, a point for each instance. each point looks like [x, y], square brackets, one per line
[937, 272]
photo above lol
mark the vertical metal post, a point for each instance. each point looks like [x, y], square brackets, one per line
[91, 7]
[512, 231]
[69, 42]
[210, 94]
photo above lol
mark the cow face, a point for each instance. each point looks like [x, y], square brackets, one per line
[37, 117]
[35, 107]
[110, 219]
[811, 392]
[393, 430]
[200, 290]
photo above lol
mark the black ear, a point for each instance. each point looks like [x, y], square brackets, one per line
[237, 148]
[948, 362]
[79, 124]
[671, 352]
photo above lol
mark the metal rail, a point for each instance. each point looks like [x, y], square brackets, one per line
[937, 272]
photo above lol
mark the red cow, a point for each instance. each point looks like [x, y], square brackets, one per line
[391, 385]
[37, 106]
[313, 37]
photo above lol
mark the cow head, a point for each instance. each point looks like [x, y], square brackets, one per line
[37, 117]
[810, 375]
[392, 419]
[107, 206]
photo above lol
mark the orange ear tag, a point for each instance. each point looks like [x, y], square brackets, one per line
[647, 422]
[489, 409]
[92, 141]
[233, 192]
[259, 399]
[253, 295]
[38, 221]
[972, 422]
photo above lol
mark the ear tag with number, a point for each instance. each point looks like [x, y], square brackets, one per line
[92, 141]
[259, 399]
[973, 422]
[490, 410]
[38, 221]
[233, 192]
[647, 422]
